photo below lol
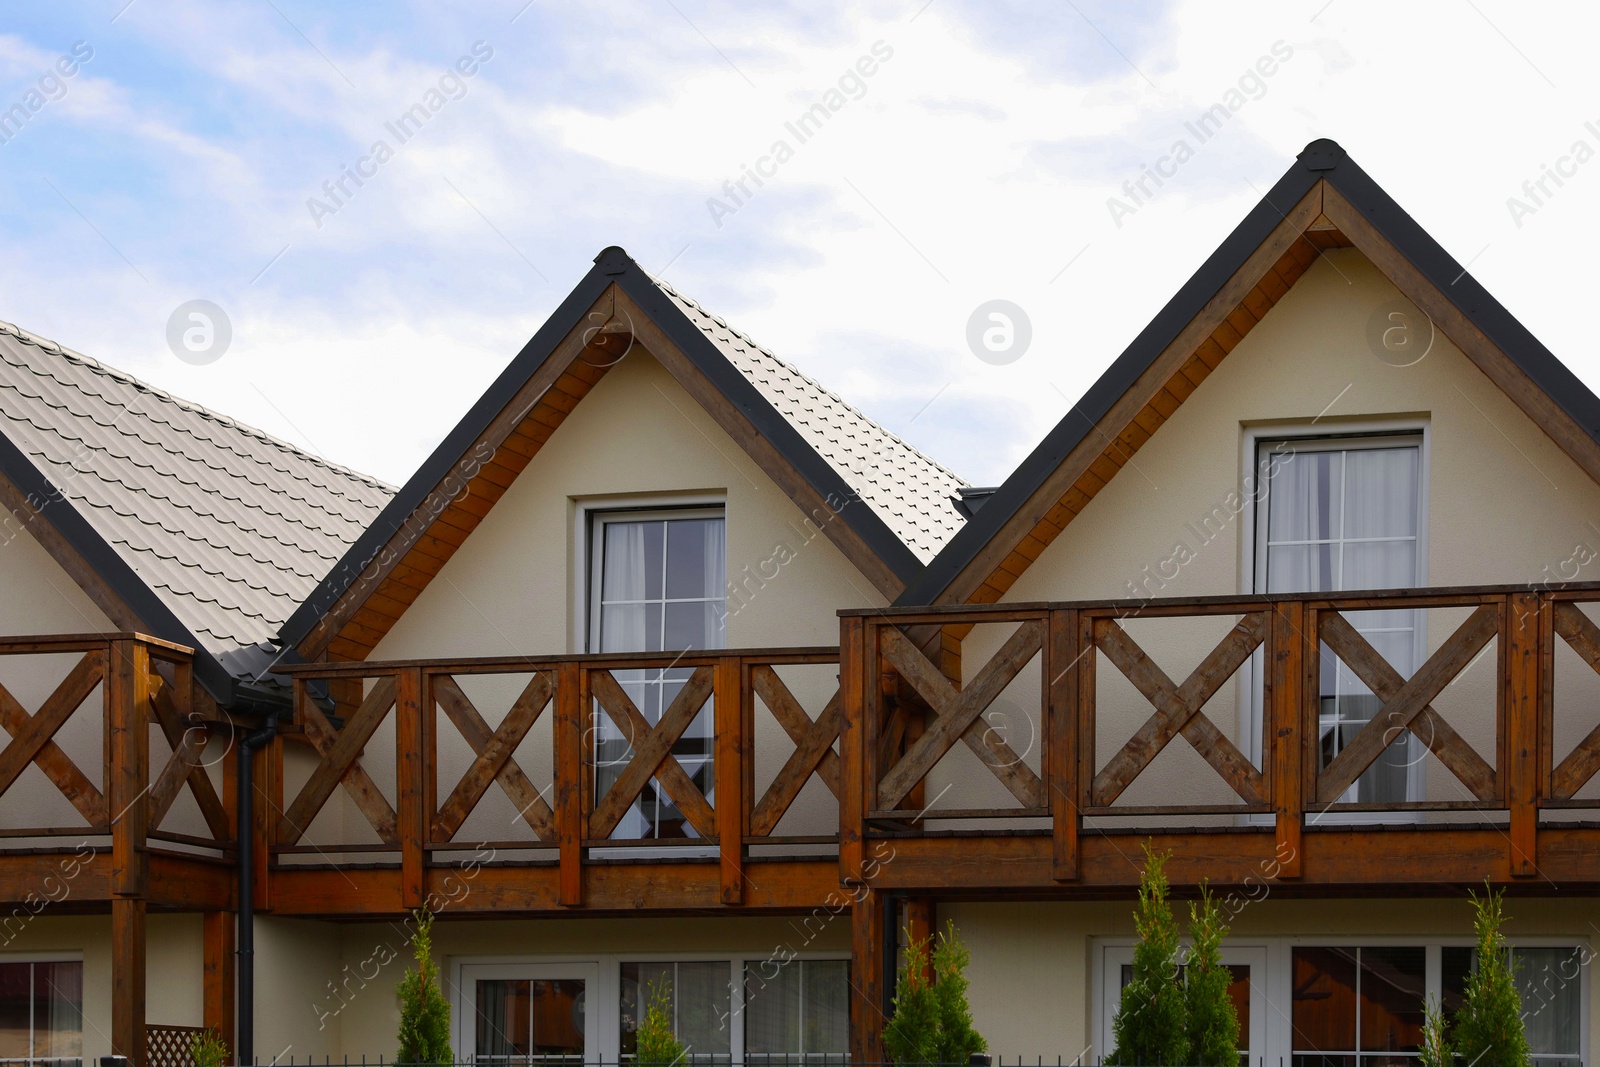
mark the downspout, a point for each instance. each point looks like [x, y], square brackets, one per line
[244, 1051]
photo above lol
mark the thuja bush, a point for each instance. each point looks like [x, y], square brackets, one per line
[657, 1045]
[932, 1020]
[1487, 1030]
[1213, 1021]
[424, 1012]
[1151, 1026]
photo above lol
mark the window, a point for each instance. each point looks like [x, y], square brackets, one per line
[1346, 514]
[1358, 1007]
[1238, 992]
[1552, 997]
[525, 1015]
[41, 1012]
[798, 1010]
[1246, 963]
[657, 583]
[700, 1009]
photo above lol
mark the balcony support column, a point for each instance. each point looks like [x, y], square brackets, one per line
[870, 945]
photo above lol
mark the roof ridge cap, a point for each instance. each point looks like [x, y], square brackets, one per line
[803, 376]
[45, 344]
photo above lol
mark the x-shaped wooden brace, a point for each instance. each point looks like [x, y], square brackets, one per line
[494, 761]
[31, 739]
[1406, 703]
[187, 741]
[652, 753]
[813, 748]
[1178, 709]
[1583, 761]
[340, 752]
[960, 715]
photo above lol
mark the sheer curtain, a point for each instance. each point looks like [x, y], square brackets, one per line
[1345, 517]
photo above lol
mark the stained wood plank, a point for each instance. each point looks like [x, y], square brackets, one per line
[1287, 748]
[37, 730]
[572, 703]
[339, 763]
[494, 762]
[182, 730]
[652, 753]
[1063, 655]
[412, 759]
[127, 746]
[813, 752]
[731, 755]
[1406, 701]
[857, 662]
[1581, 764]
[128, 979]
[57, 765]
[1178, 709]
[1520, 624]
[958, 712]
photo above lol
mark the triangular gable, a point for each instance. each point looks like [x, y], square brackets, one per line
[1324, 200]
[615, 306]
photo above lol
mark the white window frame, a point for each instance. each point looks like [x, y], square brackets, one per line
[1278, 975]
[1111, 954]
[605, 989]
[50, 957]
[1252, 568]
[586, 561]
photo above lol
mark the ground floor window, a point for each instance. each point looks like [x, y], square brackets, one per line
[41, 1011]
[735, 1010]
[1348, 1003]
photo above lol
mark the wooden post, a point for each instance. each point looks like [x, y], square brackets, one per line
[412, 760]
[1287, 746]
[127, 979]
[1062, 710]
[266, 810]
[572, 705]
[922, 924]
[218, 1005]
[868, 930]
[128, 764]
[1521, 621]
[853, 703]
[731, 756]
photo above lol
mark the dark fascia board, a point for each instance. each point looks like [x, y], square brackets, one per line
[1322, 159]
[123, 581]
[613, 264]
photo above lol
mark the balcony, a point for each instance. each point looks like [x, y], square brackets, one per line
[1334, 744]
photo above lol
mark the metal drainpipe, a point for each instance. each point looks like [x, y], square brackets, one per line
[244, 1052]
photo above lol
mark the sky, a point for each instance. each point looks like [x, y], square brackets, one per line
[976, 152]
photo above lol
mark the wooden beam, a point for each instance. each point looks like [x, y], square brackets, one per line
[857, 640]
[128, 979]
[414, 762]
[572, 705]
[128, 692]
[1062, 712]
[868, 931]
[1521, 623]
[494, 760]
[220, 930]
[1286, 748]
[922, 925]
[733, 754]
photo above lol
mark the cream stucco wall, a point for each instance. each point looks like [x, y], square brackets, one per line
[1505, 505]
[1036, 977]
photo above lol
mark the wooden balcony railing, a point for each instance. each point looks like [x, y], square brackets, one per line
[104, 691]
[406, 795]
[1482, 708]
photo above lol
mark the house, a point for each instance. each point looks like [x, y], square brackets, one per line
[670, 666]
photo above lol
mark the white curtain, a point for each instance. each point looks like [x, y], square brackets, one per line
[623, 577]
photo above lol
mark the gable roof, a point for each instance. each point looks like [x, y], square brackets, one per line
[1325, 199]
[886, 506]
[210, 532]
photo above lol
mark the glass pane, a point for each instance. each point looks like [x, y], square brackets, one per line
[1379, 565]
[557, 1011]
[16, 982]
[1380, 493]
[1455, 963]
[772, 1009]
[826, 994]
[1303, 496]
[630, 628]
[1239, 993]
[1324, 1006]
[633, 561]
[58, 1009]
[637, 981]
[1392, 985]
[1550, 982]
[702, 1007]
[503, 1019]
[1300, 568]
[695, 563]
[694, 626]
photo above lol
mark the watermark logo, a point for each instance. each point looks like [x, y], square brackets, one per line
[999, 332]
[1399, 333]
[199, 332]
